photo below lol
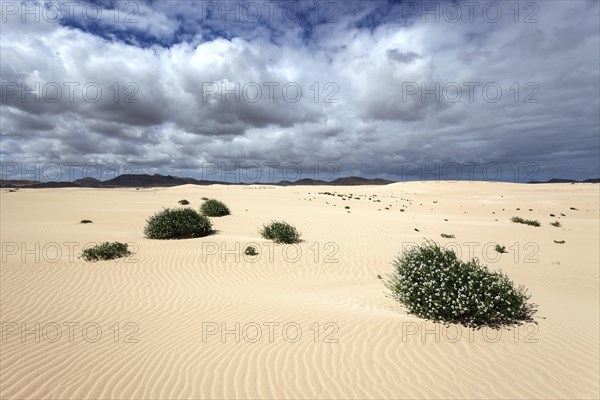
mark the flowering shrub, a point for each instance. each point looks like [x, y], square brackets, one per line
[177, 223]
[214, 208]
[280, 232]
[434, 284]
[106, 251]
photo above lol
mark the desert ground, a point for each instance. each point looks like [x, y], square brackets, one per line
[196, 318]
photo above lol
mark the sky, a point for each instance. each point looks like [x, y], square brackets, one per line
[266, 90]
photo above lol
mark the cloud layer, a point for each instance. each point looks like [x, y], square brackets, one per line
[372, 86]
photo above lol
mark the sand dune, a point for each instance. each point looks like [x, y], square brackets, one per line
[327, 328]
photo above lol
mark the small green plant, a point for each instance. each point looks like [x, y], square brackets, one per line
[214, 208]
[250, 251]
[520, 220]
[560, 241]
[379, 276]
[183, 202]
[280, 232]
[556, 224]
[433, 283]
[106, 251]
[177, 223]
[87, 221]
[500, 249]
[446, 236]
[347, 207]
[205, 198]
[573, 208]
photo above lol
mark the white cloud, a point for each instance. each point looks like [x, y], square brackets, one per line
[372, 128]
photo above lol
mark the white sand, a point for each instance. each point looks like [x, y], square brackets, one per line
[175, 292]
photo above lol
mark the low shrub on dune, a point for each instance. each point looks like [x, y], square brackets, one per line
[106, 251]
[280, 232]
[250, 251]
[214, 208]
[433, 283]
[177, 223]
[520, 220]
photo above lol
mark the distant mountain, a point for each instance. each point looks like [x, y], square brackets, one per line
[88, 182]
[558, 180]
[45, 185]
[348, 181]
[16, 183]
[156, 180]
[357, 180]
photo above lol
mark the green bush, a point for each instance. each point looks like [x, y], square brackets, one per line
[250, 251]
[214, 208]
[446, 236]
[183, 202]
[106, 251]
[177, 223]
[434, 284]
[520, 220]
[500, 249]
[86, 221]
[280, 232]
[556, 224]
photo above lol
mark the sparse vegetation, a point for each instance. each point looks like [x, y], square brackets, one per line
[520, 220]
[434, 284]
[556, 224]
[500, 249]
[214, 208]
[280, 232]
[250, 251]
[446, 236]
[183, 202]
[106, 251]
[87, 221]
[177, 223]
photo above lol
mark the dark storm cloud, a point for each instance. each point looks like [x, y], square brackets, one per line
[378, 89]
[403, 57]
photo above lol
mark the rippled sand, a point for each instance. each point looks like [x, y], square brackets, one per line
[195, 319]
